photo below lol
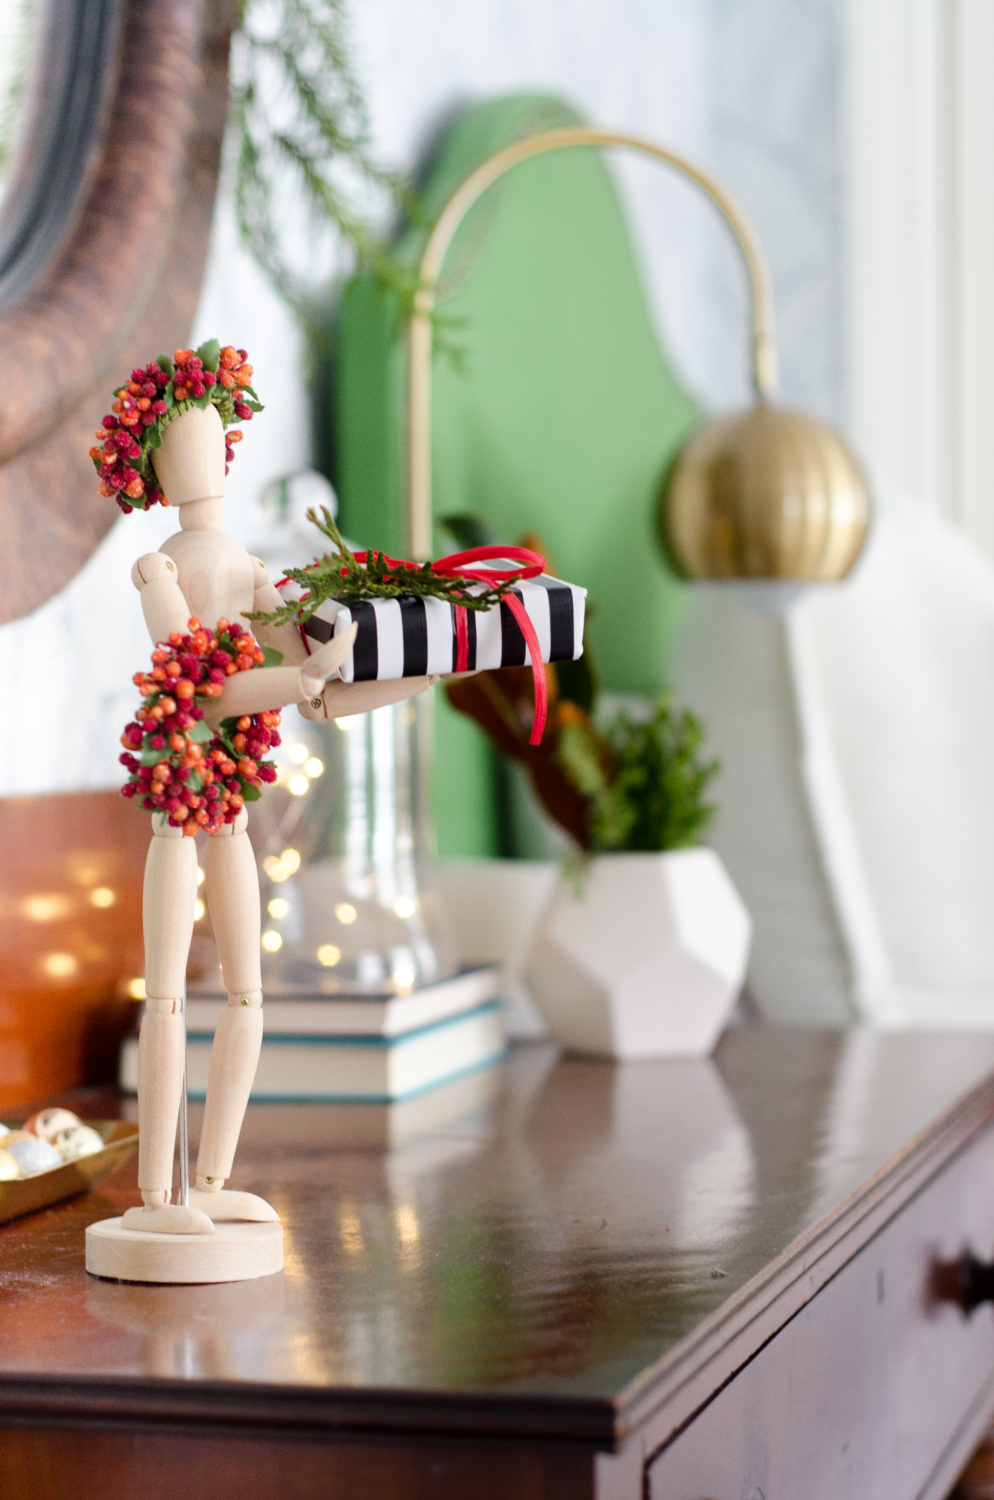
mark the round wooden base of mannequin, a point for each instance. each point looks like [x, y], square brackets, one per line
[234, 1252]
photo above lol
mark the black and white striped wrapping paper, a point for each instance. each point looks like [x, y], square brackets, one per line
[416, 636]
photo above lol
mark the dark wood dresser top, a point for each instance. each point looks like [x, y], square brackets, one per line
[586, 1244]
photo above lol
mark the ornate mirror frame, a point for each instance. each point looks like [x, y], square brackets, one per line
[104, 232]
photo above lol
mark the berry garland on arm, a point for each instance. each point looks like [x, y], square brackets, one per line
[199, 777]
[151, 399]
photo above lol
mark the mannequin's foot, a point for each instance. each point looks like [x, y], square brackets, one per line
[225, 1207]
[168, 1218]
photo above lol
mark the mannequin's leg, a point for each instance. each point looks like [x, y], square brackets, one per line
[168, 900]
[233, 896]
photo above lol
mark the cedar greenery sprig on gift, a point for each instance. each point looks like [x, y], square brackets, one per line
[153, 397]
[343, 576]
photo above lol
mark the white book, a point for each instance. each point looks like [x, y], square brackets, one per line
[352, 1069]
[361, 1015]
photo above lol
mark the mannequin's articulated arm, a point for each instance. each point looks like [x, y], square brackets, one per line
[342, 699]
[275, 687]
[163, 604]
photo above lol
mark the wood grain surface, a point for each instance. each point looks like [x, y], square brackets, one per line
[122, 286]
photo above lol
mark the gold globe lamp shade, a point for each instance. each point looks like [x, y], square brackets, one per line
[765, 494]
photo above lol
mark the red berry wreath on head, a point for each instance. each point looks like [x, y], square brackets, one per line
[151, 399]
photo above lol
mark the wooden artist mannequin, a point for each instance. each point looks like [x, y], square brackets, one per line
[204, 572]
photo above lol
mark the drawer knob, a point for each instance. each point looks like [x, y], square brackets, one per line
[976, 1281]
[967, 1281]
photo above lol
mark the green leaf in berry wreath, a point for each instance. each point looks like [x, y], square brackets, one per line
[210, 354]
[249, 792]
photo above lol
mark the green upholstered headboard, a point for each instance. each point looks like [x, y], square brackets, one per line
[560, 415]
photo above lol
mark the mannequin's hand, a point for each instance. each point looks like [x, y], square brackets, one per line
[325, 662]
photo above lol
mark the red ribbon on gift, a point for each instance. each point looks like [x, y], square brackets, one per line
[523, 563]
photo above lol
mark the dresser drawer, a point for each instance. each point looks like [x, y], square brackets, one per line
[874, 1390]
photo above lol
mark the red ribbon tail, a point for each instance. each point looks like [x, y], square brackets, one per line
[519, 612]
[462, 638]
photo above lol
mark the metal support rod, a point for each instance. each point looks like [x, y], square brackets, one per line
[764, 352]
[184, 1130]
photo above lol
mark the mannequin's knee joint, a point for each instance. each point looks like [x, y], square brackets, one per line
[250, 999]
[155, 1006]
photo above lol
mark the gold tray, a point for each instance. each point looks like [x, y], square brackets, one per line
[24, 1195]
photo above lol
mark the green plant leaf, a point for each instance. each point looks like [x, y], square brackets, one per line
[165, 363]
[249, 792]
[152, 757]
[210, 354]
[470, 530]
[655, 800]
[200, 734]
[272, 657]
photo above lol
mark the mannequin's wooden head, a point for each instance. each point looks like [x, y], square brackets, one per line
[190, 464]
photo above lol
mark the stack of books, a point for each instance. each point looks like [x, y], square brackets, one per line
[356, 1049]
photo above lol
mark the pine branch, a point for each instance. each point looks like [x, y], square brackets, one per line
[304, 61]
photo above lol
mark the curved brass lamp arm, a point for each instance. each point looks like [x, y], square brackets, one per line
[764, 353]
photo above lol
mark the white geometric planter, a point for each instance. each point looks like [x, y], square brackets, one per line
[647, 961]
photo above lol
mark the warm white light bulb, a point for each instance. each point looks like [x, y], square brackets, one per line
[346, 913]
[59, 965]
[271, 941]
[329, 955]
[46, 908]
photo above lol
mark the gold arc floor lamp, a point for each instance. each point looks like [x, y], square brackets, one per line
[763, 494]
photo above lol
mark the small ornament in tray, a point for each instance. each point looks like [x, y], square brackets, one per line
[55, 1155]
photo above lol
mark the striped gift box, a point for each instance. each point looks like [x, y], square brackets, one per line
[414, 636]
